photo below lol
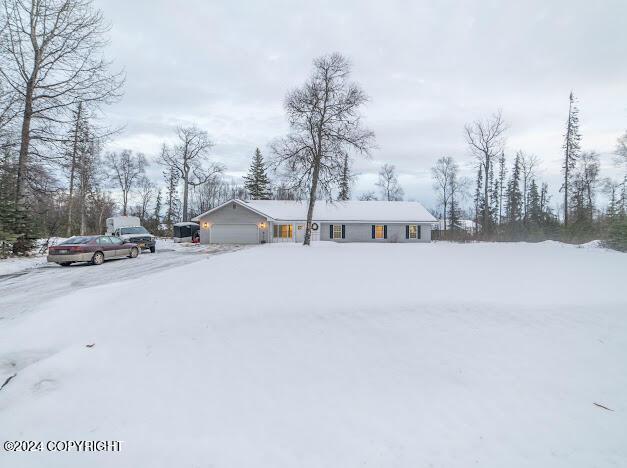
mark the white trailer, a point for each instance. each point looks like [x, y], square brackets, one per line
[121, 221]
[129, 229]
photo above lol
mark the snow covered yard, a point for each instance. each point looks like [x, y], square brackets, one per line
[401, 355]
[9, 266]
[12, 265]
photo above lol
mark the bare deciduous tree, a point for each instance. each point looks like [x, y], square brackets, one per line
[8, 112]
[82, 126]
[458, 188]
[146, 191]
[585, 181]
[51, 58]
[621, 150]
[442, 174]
[127, 169]
[325, 122]
[188, 158]
[486, 139]
[388, 183]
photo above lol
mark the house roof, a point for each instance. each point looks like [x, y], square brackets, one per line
[368, 211]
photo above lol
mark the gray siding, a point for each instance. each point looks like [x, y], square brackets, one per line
[235, 214]
[362, 232]
[229, 215]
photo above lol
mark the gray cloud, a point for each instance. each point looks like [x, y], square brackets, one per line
[428, 67]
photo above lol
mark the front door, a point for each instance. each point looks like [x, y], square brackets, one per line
[300, 231]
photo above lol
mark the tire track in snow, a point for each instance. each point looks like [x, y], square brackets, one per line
[22, 291]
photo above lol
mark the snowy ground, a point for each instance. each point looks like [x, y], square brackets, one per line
[25, 283]
[9, 266]
[392, 355]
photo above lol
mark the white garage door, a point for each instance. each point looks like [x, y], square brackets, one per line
[234, 234]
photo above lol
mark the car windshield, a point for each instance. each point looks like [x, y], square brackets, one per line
[77, 240]
[134, 230]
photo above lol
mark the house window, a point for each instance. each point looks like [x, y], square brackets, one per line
[337, 231]
[283, 231]
[379, 232]
[412, 231]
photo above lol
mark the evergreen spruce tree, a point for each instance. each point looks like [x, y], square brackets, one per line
[533, 200]
[454, 212]
[345, 186]
[157, 212]
[494, 196]
[572, 145]
[72, 155]
[622, 202]
[501, 185]
[24, 230]
[172, 207]
[8, 211]
[16, 225]
[514, 195]
[478, 197]
[153, 224]
[256, 182]
[7, 221]
[618, 234]
[612, 191]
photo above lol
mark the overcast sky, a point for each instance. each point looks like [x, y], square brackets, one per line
[428, 68]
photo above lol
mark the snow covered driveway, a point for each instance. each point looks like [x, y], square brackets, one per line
[29, 282]
[393, 355]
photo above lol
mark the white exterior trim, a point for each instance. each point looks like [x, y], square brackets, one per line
[233, 200]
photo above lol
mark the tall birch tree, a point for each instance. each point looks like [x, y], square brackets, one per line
[388, 184]
[325, 126]
[51, 57]
[442, 173]
[188, 158]
[127, 169]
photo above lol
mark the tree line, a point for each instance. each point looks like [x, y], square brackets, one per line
[56, 179]
[510, 202]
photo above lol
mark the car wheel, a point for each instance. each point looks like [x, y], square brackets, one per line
[97, 259]
[134, 252]
[65, 263]
[153, 249]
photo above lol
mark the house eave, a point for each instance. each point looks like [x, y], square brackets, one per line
[355, 221]
[233, 200]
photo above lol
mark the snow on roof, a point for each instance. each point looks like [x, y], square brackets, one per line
[287, 210]
[185, 223]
